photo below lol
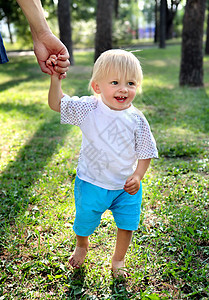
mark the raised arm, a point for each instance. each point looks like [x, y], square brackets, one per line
[55, 93]
[45, 42]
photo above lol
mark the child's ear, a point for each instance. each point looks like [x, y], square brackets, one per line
[139, 88]
[95, 87]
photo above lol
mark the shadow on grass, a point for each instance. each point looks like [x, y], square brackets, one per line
[76, 283]
[13, 83]
[28, 166]
[119, 290]
[79, 289]
[29, 110]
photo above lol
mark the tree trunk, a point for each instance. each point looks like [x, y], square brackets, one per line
[207, 38]
[170, 16]
[9, 29]
[64, 20]
[103, 40]
[116, 7]
[163, 4]
[191, 71]
[169, 23]
[156, 37]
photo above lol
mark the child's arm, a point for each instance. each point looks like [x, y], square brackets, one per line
[55, 92]
[132, 184]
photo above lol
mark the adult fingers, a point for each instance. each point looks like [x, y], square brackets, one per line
[63, 63]
[59, 69]
[64, 57]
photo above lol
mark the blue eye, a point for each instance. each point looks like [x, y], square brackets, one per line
[114, 82]
[131, 83]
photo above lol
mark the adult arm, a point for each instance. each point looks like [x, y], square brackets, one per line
[45, 42]
[132, 184]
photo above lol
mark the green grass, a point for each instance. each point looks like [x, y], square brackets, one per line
[169, 254]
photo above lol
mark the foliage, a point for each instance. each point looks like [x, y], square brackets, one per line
[8, 13]
[12, 14]
[168, 258]
[149, 11]
[22, 30]
[84, 33]
[121, 33]
[7, 9]
[178, 23]
[83, 10]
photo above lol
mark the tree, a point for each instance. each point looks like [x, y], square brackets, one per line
[64, 21]
[12, 14]
[171, 8]
[191, 70]
[116, 7]
[157, 21]
[8, 11]
[103, 40]
[207, 37]
[170, 15]
[162, 23]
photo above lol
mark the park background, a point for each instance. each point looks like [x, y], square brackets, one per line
[168, 258]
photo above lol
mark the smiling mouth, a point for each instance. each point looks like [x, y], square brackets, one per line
[121, 99]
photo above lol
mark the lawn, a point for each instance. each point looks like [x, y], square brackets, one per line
[169, 254]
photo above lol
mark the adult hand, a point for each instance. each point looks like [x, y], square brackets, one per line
[47, 44]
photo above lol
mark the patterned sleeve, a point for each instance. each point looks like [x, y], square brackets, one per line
[145, 144]
[74, 109]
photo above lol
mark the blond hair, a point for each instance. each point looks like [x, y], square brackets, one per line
[124, 63]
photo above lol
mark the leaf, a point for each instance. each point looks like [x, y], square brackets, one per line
[190, 230]
[153, 297]
[58, 276]
[50, 277]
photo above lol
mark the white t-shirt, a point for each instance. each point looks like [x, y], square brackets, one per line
[112, 140]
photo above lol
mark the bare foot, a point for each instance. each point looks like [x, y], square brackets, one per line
[118, 269]
[78, 257]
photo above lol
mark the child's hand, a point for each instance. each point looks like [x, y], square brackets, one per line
[52, 60]
[132, 184]
[52, 63]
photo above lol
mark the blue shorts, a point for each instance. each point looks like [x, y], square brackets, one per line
[92, 201]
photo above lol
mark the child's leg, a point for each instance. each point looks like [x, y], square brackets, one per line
[121, 247]
[79, 254]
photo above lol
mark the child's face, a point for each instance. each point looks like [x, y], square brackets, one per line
[116, 93]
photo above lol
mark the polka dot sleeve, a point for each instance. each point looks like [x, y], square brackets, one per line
[74, 109]
[145, 144]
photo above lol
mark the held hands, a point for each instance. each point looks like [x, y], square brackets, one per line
[46, 45]
[53, 63]
[132, 184]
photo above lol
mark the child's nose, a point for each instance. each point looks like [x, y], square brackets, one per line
[123, 89]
